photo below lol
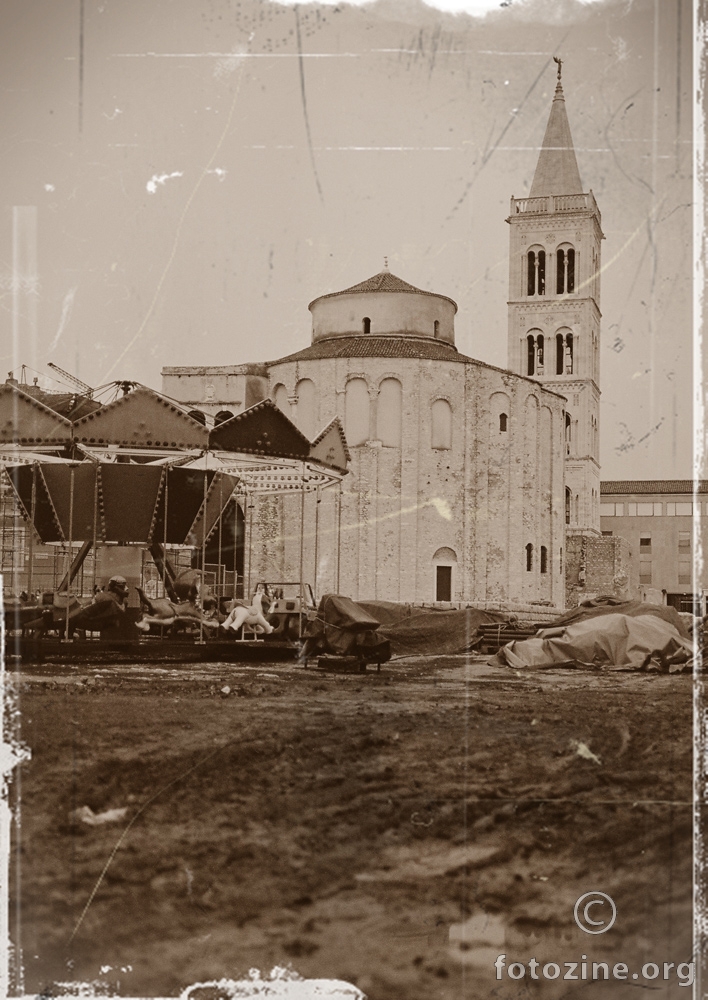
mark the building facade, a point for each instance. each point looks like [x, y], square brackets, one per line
[665, 523]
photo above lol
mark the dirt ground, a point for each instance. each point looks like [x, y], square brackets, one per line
[395, 830]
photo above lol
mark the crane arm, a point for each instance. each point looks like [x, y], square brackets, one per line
[86, 389]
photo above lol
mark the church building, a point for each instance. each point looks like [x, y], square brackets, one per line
[468, 483]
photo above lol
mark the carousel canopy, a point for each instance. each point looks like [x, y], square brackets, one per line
[141, 419]
[26, 421]
[262, 429]
[120, 502]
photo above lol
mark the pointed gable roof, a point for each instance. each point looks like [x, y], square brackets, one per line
[330, 447]
[557, 168]
[262, 429]
[141, 419]
[24, 420]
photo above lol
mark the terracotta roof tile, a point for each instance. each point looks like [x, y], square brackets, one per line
[391, 346]
[683, 487]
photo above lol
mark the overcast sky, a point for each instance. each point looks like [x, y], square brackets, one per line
[202, 169]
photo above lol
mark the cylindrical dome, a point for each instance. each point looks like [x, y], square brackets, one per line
[383, 305]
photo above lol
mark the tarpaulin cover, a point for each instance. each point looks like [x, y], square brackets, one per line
[417, 631]
[129, 494]
[614, 606]
[614, 640]
[339, 626]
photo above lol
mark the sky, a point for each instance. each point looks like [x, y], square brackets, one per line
[181, 177]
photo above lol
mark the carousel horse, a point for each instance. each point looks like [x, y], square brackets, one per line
[252, 616]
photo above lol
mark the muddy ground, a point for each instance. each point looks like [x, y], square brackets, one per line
[395, 830]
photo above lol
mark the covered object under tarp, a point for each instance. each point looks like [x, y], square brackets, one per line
[614, 606]
[343, 628]
[416, 631]
[614, 641]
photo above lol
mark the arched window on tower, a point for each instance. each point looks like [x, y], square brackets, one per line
[536, 272]
[560, 353]
[565, 270]
[436, 328]
[502, 422]
[440, 424]
[567, 505]
[544, 559]
[534, 353]
[568, 430]
[388, 413]
[529, 557]
[366, 324]
[569, 354]
[356, 410]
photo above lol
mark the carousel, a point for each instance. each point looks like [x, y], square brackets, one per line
[143, 513]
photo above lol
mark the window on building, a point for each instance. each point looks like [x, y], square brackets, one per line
[436, 328]
[534, 353]
[619, 510]
[536, 272]
[607, 510]
[221, 416]
[568, 431]
[657, 509]
[684, 509]
[645, 509]
[561, 560]
[366, 325]
[544, 559]
[502, 422]
[560, 353]
[565, 270]
[569, 354]
[631, 510]
[440, 424]
[529, 557]
[645, 558]
[280, 398]
[356, 412]
[684, 557]
[388, 413]
[306, 407]
[198, 416]
[567, 504]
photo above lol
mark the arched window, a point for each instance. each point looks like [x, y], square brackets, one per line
[536, 272]
[356, 412]
[306, 412]
[366, 324]
[564, 352]
[436, 328]
[567, 504]
[502, 422]
[441, 424]
[534, 353]
[198, 416]
[561, 560]
[444, 563]
[529, 557]
[280, 398]
[544, 559]
[568, 429]
[565, 270]
[388, 414]
[221, 416]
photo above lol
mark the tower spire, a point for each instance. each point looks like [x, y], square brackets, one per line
[557, 168]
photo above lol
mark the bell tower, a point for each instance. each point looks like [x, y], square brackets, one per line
[554, 306]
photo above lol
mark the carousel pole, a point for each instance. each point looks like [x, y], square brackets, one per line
[318, 499]
[164, 534]
[247, 590]
[71, 544]
[30, 547]
[221, 510]
[201, 589]
[235, 593]
[95, 532]
[339, 528]
[302, 545]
